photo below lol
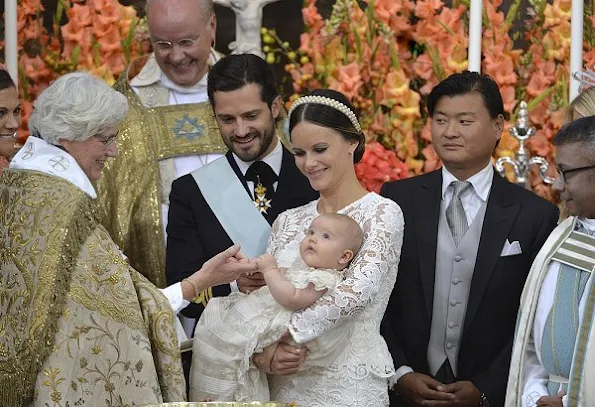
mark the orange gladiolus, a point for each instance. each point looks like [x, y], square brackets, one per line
[348, 80]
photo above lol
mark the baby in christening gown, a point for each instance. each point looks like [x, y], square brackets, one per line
[232, 328]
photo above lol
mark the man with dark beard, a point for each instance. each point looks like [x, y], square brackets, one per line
[236, 198]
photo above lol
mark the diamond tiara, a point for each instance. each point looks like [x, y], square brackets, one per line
[323, 100]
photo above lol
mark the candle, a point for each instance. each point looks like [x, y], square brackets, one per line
[11, 53]
[576, 46]
[474, 51]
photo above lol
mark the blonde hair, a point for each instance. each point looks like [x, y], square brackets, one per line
[583, 104]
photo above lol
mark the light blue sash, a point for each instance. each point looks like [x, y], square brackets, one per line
[233, 207]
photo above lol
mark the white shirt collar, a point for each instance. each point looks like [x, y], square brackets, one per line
[588, 224]
[151, 73]
[481, 182]
[274, 159]
[39, 155]
[199, 87]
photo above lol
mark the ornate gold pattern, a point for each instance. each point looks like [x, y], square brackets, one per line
[130, 186]
[78, 324]
[46, 220]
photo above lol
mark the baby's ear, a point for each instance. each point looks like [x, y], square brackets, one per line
[346, 258]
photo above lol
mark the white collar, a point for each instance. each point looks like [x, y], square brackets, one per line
[588, 225]
[198, 88]
[274, 159]
[151, 74]
[481, 182]
[39, 155]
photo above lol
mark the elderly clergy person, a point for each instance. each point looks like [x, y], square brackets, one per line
[554, 348]
[78, 325]
[169, 131]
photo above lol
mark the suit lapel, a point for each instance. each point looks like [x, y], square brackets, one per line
[426, 201]
[499, 218]
[236, 169]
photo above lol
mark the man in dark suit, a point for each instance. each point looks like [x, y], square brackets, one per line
[470, 239]
[247, 105]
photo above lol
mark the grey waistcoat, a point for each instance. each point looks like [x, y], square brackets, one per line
[452, 281]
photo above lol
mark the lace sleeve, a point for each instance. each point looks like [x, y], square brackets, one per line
[374, 267]
[276, 232]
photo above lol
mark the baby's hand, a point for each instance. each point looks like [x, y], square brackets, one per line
[266, 262]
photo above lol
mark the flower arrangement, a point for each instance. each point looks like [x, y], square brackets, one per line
[386, 55]
[99, 36]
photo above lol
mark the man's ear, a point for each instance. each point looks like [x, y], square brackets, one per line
[276, 107]
[347, 256]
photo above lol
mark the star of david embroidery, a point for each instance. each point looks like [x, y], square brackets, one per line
[260, 201]
[59, 163]
[188, 127]
[28, 151]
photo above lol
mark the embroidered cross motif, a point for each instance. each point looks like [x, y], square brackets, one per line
[260, 200]
[188, 127]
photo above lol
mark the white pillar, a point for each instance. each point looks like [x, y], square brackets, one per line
[576, 46]
[11, 50]
[474, 55]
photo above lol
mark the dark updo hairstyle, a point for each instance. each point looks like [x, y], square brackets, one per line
[330, 117]
[5, 80]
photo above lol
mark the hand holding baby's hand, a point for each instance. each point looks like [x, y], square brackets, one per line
[266, 262]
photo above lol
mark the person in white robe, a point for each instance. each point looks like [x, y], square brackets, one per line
[554, 348]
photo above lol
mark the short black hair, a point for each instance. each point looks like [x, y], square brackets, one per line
[5, 80]
[577, 131]
[468, 82]
[236, 71]
[330, 117]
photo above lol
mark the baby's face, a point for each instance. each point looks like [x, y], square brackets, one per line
[324, 246]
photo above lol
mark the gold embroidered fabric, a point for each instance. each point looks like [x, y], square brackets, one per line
[130, 186]
[77, 324]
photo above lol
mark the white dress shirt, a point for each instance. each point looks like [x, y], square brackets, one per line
[482, 184]
[274, 160]
[536, 376]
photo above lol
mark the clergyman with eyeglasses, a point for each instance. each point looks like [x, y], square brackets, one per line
[169, 132]
[554, 347]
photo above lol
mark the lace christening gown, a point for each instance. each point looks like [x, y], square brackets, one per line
[359, 376]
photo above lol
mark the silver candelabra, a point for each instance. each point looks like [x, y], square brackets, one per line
[522, 162]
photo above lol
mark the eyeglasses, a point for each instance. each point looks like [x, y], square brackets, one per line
[107, 141]
[564, 173]
[164, 46]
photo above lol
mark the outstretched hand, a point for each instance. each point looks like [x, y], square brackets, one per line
[226, 267]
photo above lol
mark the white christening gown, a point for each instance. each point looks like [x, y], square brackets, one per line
[359, 375]
[232, 328]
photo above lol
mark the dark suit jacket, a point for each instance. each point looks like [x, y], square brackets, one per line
[512, 213]
[194, 234]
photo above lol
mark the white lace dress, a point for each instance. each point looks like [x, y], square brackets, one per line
[359, 375]
[232, 328]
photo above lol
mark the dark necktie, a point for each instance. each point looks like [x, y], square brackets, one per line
[263, 177]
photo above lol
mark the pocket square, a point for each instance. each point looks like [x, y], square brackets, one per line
[510, 249]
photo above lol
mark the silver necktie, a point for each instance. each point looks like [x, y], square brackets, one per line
[455, 213]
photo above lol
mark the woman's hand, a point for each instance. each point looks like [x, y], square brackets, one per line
[223, 268]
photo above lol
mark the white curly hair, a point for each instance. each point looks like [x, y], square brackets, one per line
[76, 106]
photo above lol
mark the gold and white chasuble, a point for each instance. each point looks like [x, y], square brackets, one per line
[78, 325]
[134, 188]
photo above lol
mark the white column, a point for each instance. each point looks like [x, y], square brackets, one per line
[11, 52]
[474, 55]
[576, 46]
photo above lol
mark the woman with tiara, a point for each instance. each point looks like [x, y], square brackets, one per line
[327, 140]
